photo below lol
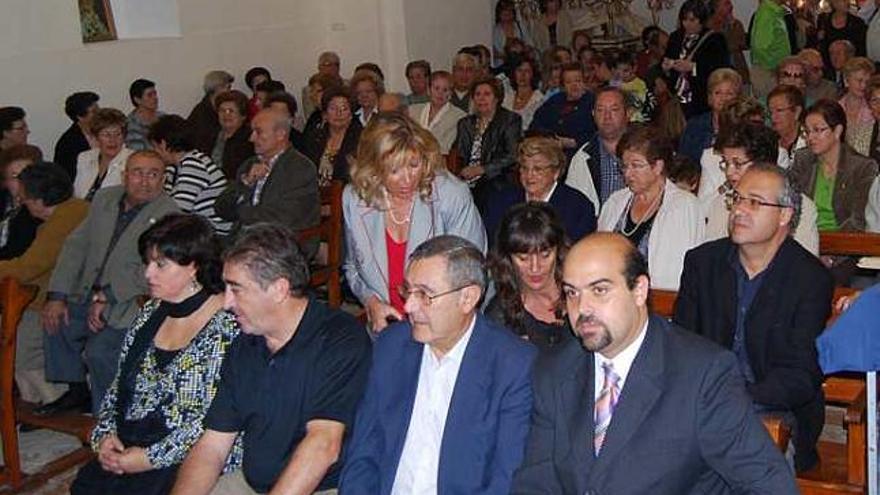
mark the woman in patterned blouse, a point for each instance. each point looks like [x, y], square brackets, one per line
[169, 368]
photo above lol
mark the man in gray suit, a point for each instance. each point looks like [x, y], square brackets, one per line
[94, 290]
[636, 404]
[279, 185]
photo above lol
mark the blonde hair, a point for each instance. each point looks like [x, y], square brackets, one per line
[857, 64]
[389, 141]
[724, 75]
[547, 147]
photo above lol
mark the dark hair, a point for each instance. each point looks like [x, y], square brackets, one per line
[634, 266]
[137, 89]
[542, 5]
[698, 8]
[334, 92]
[792, 94]
[174, 131]
[649, 141]
[46, 182]
[235, 96]
[623, 58]
[254, 73]
[8, 115]
[526, 228]
[760, 143]
[651, 36]
[270, 252]
[370, 66]
[465, 264]
[831, 112]
[514, 63]
[418, 64]
[493, 84]
[504, 5]
[184, 239]
[571, 67]
[20, 152]
[286, 98]
[270, 87]
[789, 194]
[77, 104]
[684, 169]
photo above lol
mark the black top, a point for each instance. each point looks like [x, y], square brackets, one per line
[314, 141]
[319, 374]
[22, 231]
[543, 335]
[636, 236]
[67, 149]
[855, 31]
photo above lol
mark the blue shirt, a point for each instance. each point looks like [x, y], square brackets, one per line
[746, 290]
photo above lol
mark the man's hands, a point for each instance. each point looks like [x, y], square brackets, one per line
[55, 316]
[257, 171]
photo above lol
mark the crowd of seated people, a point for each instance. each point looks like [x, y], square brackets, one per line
[489, 304]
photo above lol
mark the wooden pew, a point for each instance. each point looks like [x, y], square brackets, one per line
[14, 298]
[849, 243]
[329, 231]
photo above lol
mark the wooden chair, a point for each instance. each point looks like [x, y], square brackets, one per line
[849, 243]
[453, 162]
[14, 298]
[330, 232]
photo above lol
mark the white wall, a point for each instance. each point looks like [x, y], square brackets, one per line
[43, 59]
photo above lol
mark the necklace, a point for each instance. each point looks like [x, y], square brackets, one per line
[394, 219]
[644, 217]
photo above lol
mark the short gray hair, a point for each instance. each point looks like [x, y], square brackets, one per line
[465, 263]
[216, 79]
[269, 252]
[789, 196]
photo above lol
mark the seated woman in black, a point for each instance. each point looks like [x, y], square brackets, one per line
[17, 226]
[526, 265]
[330, 144]
[169, 367]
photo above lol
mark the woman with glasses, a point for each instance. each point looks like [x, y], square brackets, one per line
[785, 105]
[331, 143]
[659, 218]
[526, 266]
[102, 166]
[232, 145]
[540, 165]
[740, 147]
[830, 172]
[859, 120]
[399, 196]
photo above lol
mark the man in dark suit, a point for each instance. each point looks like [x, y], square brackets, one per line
[447, 404]
[278, 185]
[762, 295]
[648, 407]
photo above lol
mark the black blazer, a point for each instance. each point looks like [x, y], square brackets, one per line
[316, 141]
[500, 140]
[236, 150]
[711, 55]
[788, 313]
[683, 424]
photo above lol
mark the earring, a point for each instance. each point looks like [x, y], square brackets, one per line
[194, 285]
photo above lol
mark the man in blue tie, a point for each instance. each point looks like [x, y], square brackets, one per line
[639, 405]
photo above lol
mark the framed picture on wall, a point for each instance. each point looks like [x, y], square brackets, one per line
[96, 21]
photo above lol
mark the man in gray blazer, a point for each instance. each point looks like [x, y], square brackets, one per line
[279, 185]
[94, 290]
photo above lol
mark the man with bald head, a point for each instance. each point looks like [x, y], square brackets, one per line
[279, 185]
[637, 405]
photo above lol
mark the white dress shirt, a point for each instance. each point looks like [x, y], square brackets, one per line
[420, 458]
[621, 363]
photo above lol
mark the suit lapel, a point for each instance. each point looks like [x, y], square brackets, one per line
[642, 389]
[727, 300]
[575, 403]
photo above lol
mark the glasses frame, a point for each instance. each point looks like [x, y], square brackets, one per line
[733, 198]
[425, 299]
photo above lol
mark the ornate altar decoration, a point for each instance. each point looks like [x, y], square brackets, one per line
[610, 23]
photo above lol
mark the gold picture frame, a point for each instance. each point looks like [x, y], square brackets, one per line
[96, 21]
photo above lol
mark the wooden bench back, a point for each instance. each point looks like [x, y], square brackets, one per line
[849, 243]
[329, 231]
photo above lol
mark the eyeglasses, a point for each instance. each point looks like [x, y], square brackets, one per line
[422, 297]
[792, 75]
[734, 198]
[108, 134]
[541, 171]
[736, 165]
[816, 130]
[145, 174]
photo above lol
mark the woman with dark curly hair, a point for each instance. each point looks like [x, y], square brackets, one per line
[169, 367]
[526, 265]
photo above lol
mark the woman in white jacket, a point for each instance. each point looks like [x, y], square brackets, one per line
[661, 219]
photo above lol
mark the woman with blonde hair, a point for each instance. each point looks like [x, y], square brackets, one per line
[859, 120]
[399, 196]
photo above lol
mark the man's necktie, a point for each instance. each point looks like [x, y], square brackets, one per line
[605, 406]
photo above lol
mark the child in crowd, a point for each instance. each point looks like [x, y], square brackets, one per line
[625, 78]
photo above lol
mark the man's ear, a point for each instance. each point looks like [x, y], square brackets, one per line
[641, 289]
[470, 298]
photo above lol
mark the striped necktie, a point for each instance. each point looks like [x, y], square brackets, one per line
[605, 404]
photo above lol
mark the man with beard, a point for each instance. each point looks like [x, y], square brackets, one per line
[639, 405]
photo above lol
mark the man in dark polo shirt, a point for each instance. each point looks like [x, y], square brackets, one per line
[291, 381]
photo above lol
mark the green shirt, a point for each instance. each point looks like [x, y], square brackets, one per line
[769, 35]
[824, 195]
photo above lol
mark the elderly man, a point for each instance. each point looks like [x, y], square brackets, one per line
[814, 69]
[13, 128]
[203, 118]
[636, 404]
[464, 72]
[762, 295]
[447, 404]
[418, 74]
[278, 185]
[328, 65]
[568, 115]
[596, 163]
[839, 53]
[793, 72]
[94, 290]
[291, 381]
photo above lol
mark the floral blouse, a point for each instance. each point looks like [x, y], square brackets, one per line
[184, 389]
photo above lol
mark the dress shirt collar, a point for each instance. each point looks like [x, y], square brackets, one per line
[456, 354]
[623, 361]
[546, 198]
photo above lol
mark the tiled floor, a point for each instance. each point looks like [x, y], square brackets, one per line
[40, 446]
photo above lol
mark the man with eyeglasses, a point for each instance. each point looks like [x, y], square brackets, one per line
[96, 284]
[447, 404]
[740, 147]
[759, 293]
[814, 69]
[13, 128]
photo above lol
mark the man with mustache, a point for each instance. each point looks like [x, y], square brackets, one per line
[762, 295]
[639, 405]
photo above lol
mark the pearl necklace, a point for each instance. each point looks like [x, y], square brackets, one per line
[644, 217]
[391, 212]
